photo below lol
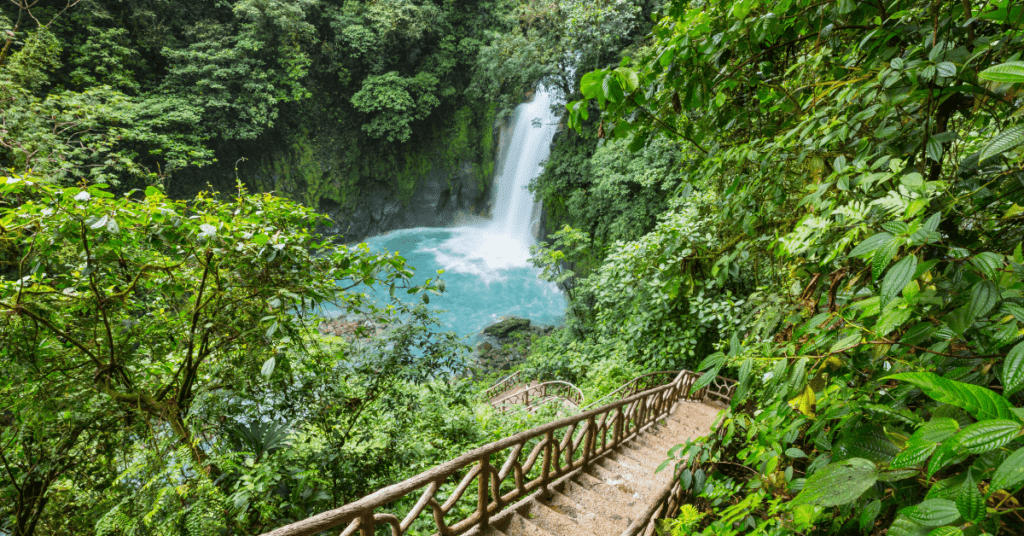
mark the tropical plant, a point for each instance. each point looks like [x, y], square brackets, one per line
[865, 162]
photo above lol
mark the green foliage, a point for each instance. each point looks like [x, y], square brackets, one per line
[394, 103]
[862, 169]
[145, 338]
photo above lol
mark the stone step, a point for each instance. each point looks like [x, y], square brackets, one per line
[520, 526]
[584, 516]
[554, 521]
[613, 512]
[614, 490]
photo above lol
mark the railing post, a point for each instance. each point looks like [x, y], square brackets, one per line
[366, 524]
[482, 495]
[545, 467]
[617, 430]
[588, 442]
[641, 414]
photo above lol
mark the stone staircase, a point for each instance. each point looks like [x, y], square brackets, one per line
[616, 490]
[588, 474]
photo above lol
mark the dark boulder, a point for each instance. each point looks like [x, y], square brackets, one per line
[506, 327]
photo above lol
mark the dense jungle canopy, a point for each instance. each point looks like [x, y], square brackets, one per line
[821, 198]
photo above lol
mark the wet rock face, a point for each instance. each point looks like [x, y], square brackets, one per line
[437, 201]
[507, 342]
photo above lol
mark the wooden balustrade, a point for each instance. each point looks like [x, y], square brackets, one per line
[540, 393]
[636, 385]
[562, 448]
[502, 385]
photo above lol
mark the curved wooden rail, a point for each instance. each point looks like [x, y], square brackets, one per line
[502, 385]
[636, 385]
[546, 392]
[508, 470]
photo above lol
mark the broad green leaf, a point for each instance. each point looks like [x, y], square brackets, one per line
[612, 89]
[912, 180]
[935, 431]
[745, 368]
[945, 531]
[987, 263]
[1010, 472]
[984, 296]
[152, 190]
[898, 277]
[948, 454]
[590, 84]
[1011, 72]
[871, 244]
[912, 456]
[987, 435]
[883, 256]
[742, 8]
[902, 526]
[713, 360]
[100, 223]
[869, 514]
[979, 402]
[932, 512]
[630, 80]
[846, 343]
[1004, 141]
[869, 442]
[268, 367]
[795, 453]
[969, 501]
[897, 475]
[934, 149]
[946, 69]
[838, 483]
[261, 239]
[1012, 374]
[918, 332]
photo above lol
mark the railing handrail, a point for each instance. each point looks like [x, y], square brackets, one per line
[542, 387]
[640, 410]
[502, 383]
[630, 383]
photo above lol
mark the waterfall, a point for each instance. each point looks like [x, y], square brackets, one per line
[534, 128]
[487, 265]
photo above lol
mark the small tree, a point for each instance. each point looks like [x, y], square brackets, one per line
[133, 307]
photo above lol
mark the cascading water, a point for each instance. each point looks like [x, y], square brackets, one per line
[487, 267]
[531, 143]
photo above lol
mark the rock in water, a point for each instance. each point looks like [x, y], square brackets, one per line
[506, 327]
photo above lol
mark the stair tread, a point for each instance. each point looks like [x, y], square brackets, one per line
[584, 516]
[491, 531]
[641, 475]
[521, 526]
[615, 489]
[551, 518]
[618, 508]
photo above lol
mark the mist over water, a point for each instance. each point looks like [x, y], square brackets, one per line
[487, 270]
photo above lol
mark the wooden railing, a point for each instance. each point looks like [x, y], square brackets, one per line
[550, 391]
[636, 385]
[507, 471]
[721, 389]
[502, 385]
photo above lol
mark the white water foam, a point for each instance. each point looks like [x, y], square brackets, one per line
[504, 243]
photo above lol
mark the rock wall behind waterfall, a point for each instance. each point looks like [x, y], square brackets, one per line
[365, 187]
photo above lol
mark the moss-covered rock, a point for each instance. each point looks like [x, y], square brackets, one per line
[506, 327]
